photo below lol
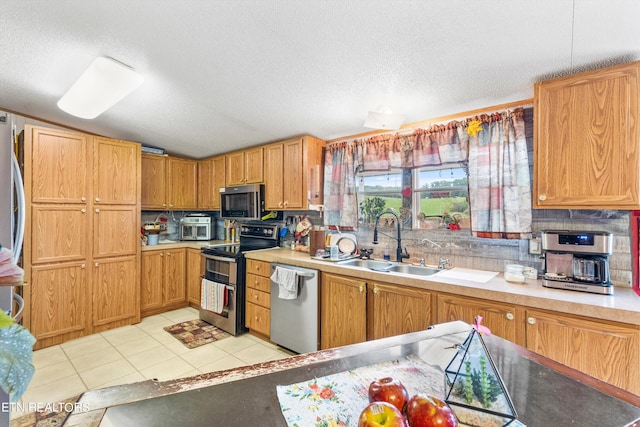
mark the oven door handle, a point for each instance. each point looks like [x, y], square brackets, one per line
[219, 258]
[229, 286]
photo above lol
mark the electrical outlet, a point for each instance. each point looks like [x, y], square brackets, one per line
[534, 246]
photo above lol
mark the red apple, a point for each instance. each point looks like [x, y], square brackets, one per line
[381, 414]
[428, 411]
[390, 390]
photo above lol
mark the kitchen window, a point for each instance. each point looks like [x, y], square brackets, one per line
[438, 196]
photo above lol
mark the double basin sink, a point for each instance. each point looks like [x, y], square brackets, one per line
[386, 266]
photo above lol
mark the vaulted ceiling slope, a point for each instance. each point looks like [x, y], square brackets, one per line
[227, 74]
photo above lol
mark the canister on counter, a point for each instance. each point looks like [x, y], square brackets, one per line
[316, 240]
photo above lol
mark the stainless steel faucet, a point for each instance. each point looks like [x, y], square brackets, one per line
[444, 263]
[399, 254]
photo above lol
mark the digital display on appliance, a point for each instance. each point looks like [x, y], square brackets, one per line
[576, 239]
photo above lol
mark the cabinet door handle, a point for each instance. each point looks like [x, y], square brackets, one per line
[509, 316]
[164, 204]
[531, 320]
[83, 199]
[83, 266]
[98, 199]
[95, 265]
[161, 254]
[286, 203]
[83, 210]
[542, 197]
[361, 288]
[375, 290]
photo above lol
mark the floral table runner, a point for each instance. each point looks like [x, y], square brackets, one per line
[338, 399]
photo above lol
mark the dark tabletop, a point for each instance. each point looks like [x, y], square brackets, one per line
[544, 393]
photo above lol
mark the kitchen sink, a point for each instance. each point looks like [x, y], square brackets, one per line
[367, 263]
[412, 269]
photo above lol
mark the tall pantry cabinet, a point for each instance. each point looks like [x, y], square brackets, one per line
[82, 249]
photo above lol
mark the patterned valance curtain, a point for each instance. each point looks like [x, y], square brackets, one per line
[496, 151]
[499, 178]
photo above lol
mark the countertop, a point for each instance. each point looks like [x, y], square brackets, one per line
[192, 244]
[543, 392]
[623, 306]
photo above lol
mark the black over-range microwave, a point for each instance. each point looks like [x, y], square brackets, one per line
[244, 202]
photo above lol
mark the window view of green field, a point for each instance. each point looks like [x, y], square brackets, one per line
[442, 196]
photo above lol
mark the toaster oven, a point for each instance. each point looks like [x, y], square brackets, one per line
[196, 227]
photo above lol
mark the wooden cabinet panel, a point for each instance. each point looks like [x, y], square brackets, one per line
[116, 169]
[294, 176]
[273, 194]
[59, 302]
[154, 184]
[605, 350]
[586, 140]
[235, 168]
[253, 166]
[262, 299]
[195, 271]
[259, 283]
[183, 182]
[59, 233]
[244, 167]
[115, 293]
[151, 280]
[503, 319]
[396, 310]
[343, 311]
[115, 230]
[218, 181]
[174, 286]
[258, 319]
[259, 268]
[293, 173]
[60, 166]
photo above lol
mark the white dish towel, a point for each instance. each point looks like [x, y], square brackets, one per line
[213, 296]
[287, 280]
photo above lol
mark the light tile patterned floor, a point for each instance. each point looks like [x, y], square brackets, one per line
[136, 353]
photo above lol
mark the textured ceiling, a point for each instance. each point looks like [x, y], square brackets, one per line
[227, 74]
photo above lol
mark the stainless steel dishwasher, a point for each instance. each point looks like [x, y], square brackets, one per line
[295, 322]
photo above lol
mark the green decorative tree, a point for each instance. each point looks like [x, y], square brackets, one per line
[371, 208]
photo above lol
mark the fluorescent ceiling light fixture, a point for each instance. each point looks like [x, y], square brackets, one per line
[383, 118]
[99, 88]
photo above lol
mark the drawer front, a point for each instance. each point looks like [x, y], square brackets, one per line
[258, 319]
[259, 283]
[260, 268]
[260, 298]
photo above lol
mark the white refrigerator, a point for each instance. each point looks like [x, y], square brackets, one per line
[11, 202]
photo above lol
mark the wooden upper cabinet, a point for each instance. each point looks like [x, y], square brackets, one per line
[182, 177]
[169, 183]
[60, 165]
[116, 170]
[273, 194]
[294, 173]
[245, 167]
[154, 184]
[586, 140]
[211, 178]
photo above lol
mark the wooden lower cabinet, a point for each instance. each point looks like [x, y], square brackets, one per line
[502, 319]
[343, 311]
[258, 297]
[605, 350]
[195, 271]
[115, 299]
[59, 303]
[162, 281]
[395, 310]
